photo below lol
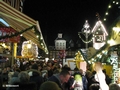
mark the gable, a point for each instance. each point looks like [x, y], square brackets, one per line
[99, 27]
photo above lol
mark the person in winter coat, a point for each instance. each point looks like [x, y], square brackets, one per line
[60, 78]
[35, 76]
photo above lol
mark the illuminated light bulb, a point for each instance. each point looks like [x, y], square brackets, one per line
[98, 55]
[117, 3]
[21, 35]
[92, 59]
[37, 36]
[41, 38]
[109, 6]
[104, 19]
[113, 1]
[89, 62]
[47, 53]
[103, 51]
[106, 13]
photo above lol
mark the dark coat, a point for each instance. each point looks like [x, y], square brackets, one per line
[36, 77]
[50, 73]
[56, 80]
[69, 84]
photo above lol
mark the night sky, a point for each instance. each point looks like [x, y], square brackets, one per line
[66, 16]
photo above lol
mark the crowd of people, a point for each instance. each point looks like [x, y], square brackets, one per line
[51, 75]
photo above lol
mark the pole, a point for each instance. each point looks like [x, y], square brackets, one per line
[86, 44]
[86, 31]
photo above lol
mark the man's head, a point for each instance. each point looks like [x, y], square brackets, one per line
[67, 68]
[64, 76]
[114, 86]
[94, 87]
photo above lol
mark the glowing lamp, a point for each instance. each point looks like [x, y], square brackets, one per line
[29, 45]
[29, 49]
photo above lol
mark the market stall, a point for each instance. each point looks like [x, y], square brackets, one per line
[23, 25]
[109, 54]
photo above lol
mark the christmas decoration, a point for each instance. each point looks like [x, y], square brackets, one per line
[29, 49]
[79, 56]
[86, 31]
[11, 35]
[8, 31]
[80, 62]
[100, 34]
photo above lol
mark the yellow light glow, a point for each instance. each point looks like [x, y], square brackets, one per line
[21, 35]
[109, 6]
[4, 45]
[98, 55]
[103, 51]
[113, 1]
[47, 53]
[117, 3]
[116, 28]
[37, 36]
[41, 38]
[111, 42]
[28, 45]
[106, 13]
[104, 19]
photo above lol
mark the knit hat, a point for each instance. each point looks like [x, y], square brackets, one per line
[49, 85]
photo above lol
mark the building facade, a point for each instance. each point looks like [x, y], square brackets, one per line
[60, 43]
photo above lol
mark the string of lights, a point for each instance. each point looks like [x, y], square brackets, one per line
[85, 40]
[111, 5]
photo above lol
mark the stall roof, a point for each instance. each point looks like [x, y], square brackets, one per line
[20, 21]
[103, 52]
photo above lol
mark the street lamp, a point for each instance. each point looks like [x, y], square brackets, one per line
[86, 31]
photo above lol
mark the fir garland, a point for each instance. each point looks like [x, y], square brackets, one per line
[84, 40]
[17, 33]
